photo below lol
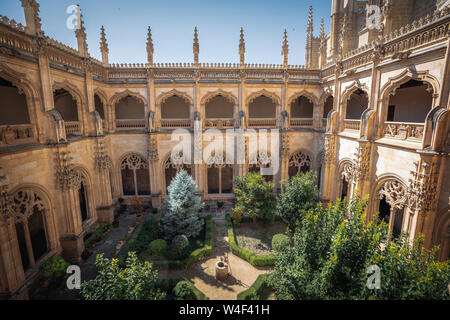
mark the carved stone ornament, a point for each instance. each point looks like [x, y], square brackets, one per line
[394, 192]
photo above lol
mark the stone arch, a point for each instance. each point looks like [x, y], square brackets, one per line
[300, 161]
[345, 178]
[311, 98]
[347, 94]
[304, 93]
[274, 98]
[442, 234]
[85, 187]
[394, 83]
[32, 95]
[212, 95]
[122, 94]
[133, 168]
[219, 174]
[104, 100]
[169, 169]
[328, 93]
[33, 216]
[390, 193]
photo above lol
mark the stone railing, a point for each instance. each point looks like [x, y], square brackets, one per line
[352, 125]
[16, 134]
[262, 122]
[219, 123]
[128, 124]
[175, 123]
[301, 123]
[404, 130]
[73, 128]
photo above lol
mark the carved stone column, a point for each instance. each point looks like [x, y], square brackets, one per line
[363, 165]
[285, 152]
[103, 164]
[330, 166]
[154, 172]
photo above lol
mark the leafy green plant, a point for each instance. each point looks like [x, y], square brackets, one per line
[136, 281]
[333, 248]
[220, 204]
[255, 196]
[179, 243]
[158, 247]
[55, 267]
[184, 291]
[237, 213]
[298, 194]
[280, 242]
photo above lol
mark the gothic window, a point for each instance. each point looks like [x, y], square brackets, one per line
[356, 105]
[258, 162]
[135, 176]
[392, 196]
[13, 105]
[66, 105]
[262, 107]
[130, 108]
[220, 176]
[344, 190]
[302, 107]
[411, 102]
[171, 169]
[299, 162]
[219, 107]
[30, 211]
[83, 202]
[175, 107]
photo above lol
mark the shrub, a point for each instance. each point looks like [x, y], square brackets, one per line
[179, 243]
[280, 241]
[180, 210]
[298, 195]
[154, 210]
[220, 204]
[237, 213]
[136, 281]
[258, 290]
[55, 267]
[158, 247]
[255, 196]
[184, 291]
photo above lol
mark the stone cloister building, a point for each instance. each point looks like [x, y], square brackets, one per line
[368, 112]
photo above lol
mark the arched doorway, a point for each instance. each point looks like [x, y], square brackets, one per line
[219, 176]
[135, 176]
[392, 199]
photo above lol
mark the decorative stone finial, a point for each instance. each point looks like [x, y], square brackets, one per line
[150, 48]
[285, 49]
[104, 47]
[196, 47]
[242, 48]
[33, 21]
[310, 28]
[80, 33]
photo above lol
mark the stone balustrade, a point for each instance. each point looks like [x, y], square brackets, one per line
[73, 128]
[16, 134]
[301, 123]
[175, 123]
[130, 124]
[352, 125]
[262, 123]
[404, 130]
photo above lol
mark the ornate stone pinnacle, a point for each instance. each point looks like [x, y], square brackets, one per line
[242, 47]
[150, 48]
[322, 29]
[196, 46]
[80, 33]
[285, 49]
[310, 28]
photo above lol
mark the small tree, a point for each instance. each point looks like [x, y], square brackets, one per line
[334, 248]
[255, 196]
[137, 281]
[180, 209]
[298, 194]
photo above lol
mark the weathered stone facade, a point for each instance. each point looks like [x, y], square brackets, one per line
[118, 139]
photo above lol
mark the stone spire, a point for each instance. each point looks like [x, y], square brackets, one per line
[150, 48]
[196, 47]
[33, 21]
[323, 44]
[80, 33]
[285, 49]
[242, 48]
[322, 29]
[104, 47]
[309, 38]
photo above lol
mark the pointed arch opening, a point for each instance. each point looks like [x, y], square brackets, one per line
[135, 175]
[299, 162]
[130, 113]
[262, 112]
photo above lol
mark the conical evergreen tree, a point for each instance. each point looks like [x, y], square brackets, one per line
[180, 209]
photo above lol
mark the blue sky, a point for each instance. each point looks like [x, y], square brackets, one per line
[173, 23]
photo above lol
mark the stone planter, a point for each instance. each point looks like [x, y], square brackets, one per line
[221, 271]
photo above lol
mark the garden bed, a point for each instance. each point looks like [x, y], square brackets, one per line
[259, 290]
[257, 237]
[198, 248]
[257, 260]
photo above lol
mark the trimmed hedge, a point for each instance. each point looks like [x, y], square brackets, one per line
[257, 289]
[168, 284]
[196, 255]
[257, 260]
